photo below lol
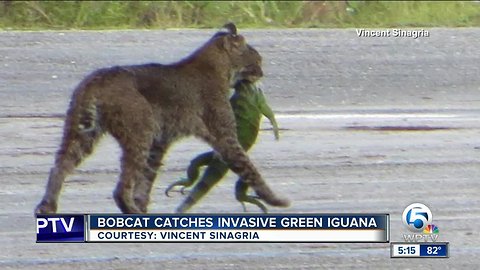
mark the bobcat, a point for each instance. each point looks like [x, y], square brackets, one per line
[148, 107]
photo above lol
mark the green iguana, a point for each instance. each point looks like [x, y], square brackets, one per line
[248, 104]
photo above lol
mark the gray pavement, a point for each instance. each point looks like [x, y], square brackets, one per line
[368, 125]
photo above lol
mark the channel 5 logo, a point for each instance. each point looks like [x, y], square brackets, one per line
[416, 217]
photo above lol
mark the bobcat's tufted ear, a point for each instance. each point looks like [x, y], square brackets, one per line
[231, 27]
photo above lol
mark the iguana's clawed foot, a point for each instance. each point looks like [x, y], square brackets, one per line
[184, 183]
[252, 200]
[242, 197]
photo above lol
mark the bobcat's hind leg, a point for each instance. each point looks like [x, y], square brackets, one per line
[133, 162]
[135, 147]
[143, 187]
[134, 127]
[76, 145]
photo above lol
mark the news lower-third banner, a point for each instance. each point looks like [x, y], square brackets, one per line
[156, 228]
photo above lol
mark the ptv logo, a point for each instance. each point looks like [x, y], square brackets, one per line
[42, 223]
[60, 228]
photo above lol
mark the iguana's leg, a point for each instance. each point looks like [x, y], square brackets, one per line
[241, 195]
[267, 111]
[215, 171]
[193, 172]
[241, 188]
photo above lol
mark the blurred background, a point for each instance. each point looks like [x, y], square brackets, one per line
[32, 15]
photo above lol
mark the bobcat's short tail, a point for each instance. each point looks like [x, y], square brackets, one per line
[83, 109]
[88, 118]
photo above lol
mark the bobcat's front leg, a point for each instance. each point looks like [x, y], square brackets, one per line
[223, 138]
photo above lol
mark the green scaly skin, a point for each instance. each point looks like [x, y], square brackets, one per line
[249, 105]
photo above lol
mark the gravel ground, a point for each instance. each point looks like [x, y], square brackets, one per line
[368, 125]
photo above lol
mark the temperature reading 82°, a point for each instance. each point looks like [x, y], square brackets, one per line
[433, 250]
